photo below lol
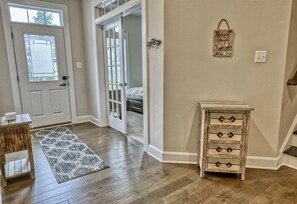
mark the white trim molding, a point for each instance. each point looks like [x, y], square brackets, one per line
[289, 135]
[83, 119]
[180, 157]
[155, 152]
[95, 121]
[257, 162]
[290, 161]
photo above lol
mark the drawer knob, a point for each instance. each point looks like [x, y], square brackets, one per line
[218, 164]
[228, 164]
[229, 149]
[219, 149]
[220, 134]
[230, 134]
[221, 119]
[231, 119]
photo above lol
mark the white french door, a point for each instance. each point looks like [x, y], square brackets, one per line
[115, 76]
[42, 70]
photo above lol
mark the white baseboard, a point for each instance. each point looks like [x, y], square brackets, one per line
[191, 158]
[82, 119]
[88, 118]
[290, 161]
[155, 152]
[259, 162]
[94, 120]
[180, 157]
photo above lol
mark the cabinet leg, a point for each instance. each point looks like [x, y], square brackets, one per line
[242, 176]
[31, 164]
[202, 174]
[3, 174]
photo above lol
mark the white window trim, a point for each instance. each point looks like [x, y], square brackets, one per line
[10, 52]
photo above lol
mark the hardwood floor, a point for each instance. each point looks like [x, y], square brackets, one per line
[135, 177]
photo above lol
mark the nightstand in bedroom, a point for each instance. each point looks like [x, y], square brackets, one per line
[224, 137]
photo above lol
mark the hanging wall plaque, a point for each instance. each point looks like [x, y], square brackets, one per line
[223, 41]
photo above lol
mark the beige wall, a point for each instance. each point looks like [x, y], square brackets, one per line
[76, 32]
[289, 103]
[192, 74]
[91, 61]
[6, 100]
[132, 26]
[155, 29]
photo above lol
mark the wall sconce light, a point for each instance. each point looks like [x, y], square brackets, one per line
[154, 43]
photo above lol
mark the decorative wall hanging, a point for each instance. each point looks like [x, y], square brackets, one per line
[154, 43]
[223, 41]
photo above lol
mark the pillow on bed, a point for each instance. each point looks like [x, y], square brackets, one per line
[135, 92]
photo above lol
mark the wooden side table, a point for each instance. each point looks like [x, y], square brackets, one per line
[15, 136]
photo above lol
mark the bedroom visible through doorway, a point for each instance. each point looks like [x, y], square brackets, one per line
[133, 74]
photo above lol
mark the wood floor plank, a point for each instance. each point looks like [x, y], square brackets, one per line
[136, 177]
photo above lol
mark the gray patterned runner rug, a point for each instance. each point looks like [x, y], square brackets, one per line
[68, 157]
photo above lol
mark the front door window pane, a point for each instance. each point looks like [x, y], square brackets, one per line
[41, 57]
[35, 16]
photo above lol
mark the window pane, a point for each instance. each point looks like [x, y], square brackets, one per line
[18, 14]
[36, 16]
[114, 4]
[121, 2]
[53, 18]
[107, 6]
[41, 57]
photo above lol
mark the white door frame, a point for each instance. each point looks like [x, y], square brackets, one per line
[97, 38]
[10, 51]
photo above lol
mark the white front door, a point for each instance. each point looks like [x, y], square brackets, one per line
[115, 80]
[42, 72]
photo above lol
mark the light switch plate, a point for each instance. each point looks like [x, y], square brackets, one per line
[79, 65]
[261, 56]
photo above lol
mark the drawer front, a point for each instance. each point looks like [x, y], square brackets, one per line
[223, 168]
[235, 119]
[227, 165]
[225, 135]
[223, 150]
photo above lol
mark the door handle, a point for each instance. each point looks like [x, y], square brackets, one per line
[123, 84]
[64, 84]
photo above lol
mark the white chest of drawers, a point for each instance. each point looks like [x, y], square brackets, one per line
[224, 137]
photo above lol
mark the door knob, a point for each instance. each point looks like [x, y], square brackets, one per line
[64, 77]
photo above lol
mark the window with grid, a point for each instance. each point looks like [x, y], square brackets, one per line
[108, 5]
[25, 14]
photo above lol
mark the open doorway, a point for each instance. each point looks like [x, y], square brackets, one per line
[123, 70]
[133, 74]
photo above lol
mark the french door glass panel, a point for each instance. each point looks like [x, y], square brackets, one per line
[115, 76]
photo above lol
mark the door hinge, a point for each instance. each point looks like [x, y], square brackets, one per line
[18, 78]
[12, 35]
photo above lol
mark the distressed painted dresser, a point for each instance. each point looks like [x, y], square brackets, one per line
[223, 140]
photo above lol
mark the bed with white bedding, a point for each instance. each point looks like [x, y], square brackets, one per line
[134, 98]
